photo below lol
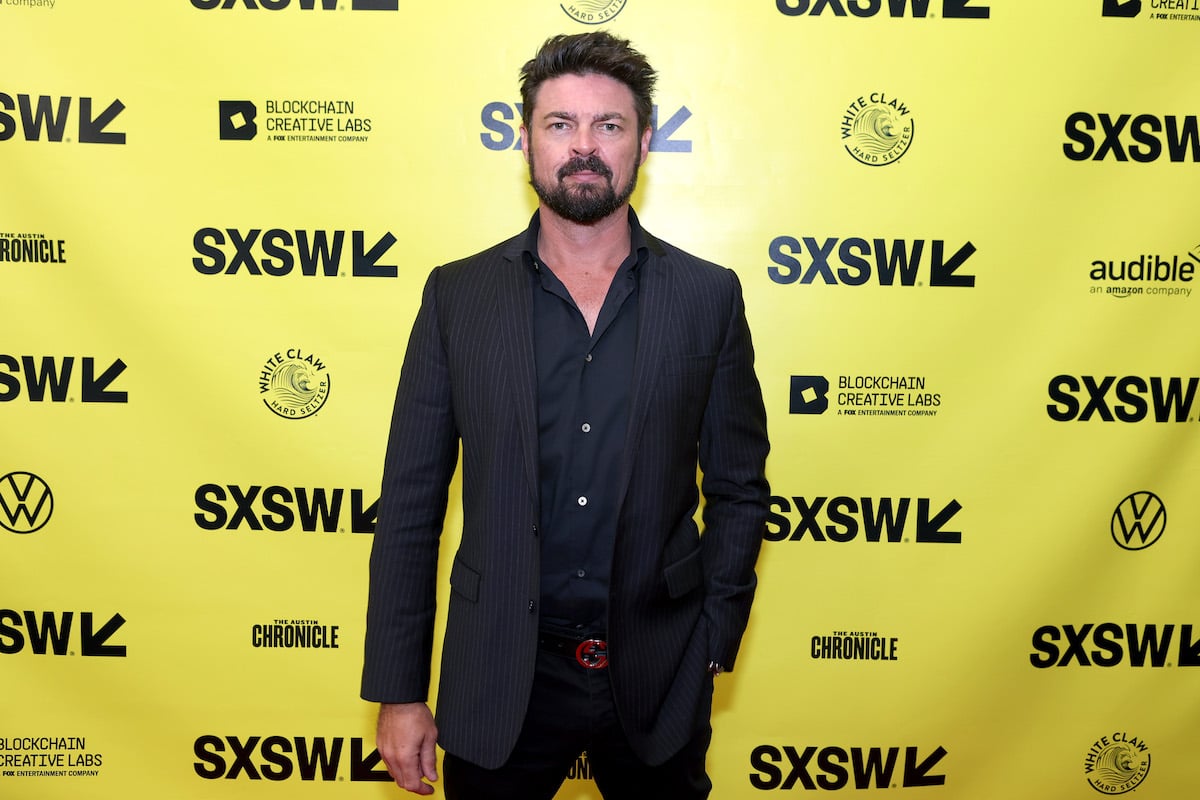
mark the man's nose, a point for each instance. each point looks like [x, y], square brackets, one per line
[584, 142]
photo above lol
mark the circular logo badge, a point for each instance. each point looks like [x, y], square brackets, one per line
[877, 129]
[1138, 521]
[593, 12]
[1117, 764]
[294, 384]
[26, 502]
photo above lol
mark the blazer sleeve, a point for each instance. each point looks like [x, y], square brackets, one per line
[420, 460]
[733, 453]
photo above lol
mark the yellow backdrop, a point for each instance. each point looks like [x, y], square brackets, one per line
[967, 236]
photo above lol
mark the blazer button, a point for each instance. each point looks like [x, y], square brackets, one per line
[532, 606]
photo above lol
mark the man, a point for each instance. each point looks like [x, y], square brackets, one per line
[588, 369]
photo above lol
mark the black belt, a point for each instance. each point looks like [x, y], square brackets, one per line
[588, 653]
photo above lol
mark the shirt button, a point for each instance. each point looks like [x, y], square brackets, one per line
[585, 427]
[588, 357]
[580, 573]
[582, 501]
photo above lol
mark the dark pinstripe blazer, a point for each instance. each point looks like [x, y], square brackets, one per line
[677, 599]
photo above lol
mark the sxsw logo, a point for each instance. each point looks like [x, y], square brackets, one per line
[1130, 398]
[833, 768]
[877, 519]
[502, 123]
[951, 9]
[1143, 138]
[1122, 8]
[26, 502]
[51, 633]
[278, 252]
[52, 376]
[279, 5]
[1108, 644]
[46, 116]
[278, 758]
[280, 508]
[858, 261]
[237, 120]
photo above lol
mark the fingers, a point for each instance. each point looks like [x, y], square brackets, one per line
[407, 742]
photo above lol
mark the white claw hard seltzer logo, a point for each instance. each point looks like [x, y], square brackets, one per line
[294, 383]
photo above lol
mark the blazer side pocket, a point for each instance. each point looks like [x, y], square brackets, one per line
[464, 580]
[684, 575]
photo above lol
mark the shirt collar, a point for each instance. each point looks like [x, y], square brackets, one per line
[638, 246]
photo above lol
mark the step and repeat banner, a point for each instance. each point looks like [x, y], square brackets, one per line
[968, 234]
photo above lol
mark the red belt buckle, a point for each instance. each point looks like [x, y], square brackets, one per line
[592, 654]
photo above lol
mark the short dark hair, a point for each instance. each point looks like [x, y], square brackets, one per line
[597, 52]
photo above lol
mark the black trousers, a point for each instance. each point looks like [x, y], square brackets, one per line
[571, 711]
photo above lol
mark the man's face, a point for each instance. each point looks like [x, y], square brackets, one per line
[583, 146]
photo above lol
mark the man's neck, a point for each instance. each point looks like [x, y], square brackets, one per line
[599, 247]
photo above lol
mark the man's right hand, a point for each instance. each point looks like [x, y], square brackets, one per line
[406, 738]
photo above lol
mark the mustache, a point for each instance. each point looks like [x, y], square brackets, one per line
[590, 163]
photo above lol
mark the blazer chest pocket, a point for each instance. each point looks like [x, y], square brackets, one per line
[464, 580]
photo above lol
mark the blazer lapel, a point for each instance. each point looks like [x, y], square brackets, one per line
[513, 308]
[654, 306]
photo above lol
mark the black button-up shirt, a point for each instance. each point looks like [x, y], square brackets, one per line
[583, 389]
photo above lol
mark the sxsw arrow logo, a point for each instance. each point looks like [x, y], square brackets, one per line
[51, 633]
[52, 376]
[877, 519]
[835, 768]
[47, 116]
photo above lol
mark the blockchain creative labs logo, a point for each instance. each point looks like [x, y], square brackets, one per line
[337, 120]
[877, 129]
[1116, 763]
[1139, 521]
[893, 395]
[32, 248]
[593, 12]
[52, 756]
[294, 383]
[1160, 10]
[295, 634]
[26, 502]
[1145, 275]
[854, 646]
